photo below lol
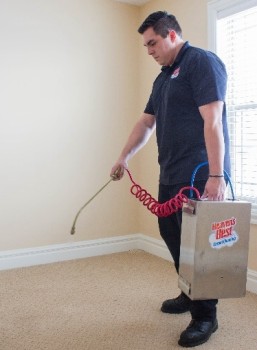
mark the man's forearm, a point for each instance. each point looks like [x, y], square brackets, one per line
[140, 134]
[136, 140]
[215, 149]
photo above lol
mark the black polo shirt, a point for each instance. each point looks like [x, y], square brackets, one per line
[196, 78]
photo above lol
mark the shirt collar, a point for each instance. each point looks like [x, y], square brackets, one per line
[179, 56]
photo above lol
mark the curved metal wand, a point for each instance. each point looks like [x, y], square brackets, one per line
[80, 210]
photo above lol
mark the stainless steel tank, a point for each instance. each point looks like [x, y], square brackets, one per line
[214, 249]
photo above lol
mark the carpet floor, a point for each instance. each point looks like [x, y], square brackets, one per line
[108, 302]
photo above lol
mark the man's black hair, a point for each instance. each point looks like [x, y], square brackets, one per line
[161, 22]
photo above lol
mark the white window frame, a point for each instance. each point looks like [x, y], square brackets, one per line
[216, 10]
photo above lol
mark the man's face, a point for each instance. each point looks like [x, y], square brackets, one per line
[162, 49]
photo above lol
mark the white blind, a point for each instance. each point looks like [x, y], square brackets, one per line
[237, 46]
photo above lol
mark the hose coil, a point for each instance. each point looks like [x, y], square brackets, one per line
[161, 209]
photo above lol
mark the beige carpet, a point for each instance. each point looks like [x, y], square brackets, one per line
[108, 303]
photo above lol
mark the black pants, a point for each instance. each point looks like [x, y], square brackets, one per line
[170, 230]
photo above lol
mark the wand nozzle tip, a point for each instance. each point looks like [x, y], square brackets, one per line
[72, 230]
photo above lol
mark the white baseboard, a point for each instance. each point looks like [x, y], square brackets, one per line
[68, 251]
[77, 250]
[153, 246]
[251, 284]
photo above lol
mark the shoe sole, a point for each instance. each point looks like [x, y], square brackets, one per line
[186, 345]
[174, 312]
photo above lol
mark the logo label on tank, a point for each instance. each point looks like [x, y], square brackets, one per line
[223, 234]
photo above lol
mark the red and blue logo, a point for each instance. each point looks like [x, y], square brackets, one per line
[175, 74]
[223, 234]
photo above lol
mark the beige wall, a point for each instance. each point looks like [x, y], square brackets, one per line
[74, 78]
[68, 87]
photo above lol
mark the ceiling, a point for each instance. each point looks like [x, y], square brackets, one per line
[135, 2]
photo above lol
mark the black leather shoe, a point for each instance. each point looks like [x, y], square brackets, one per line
[198, 332]
[178, 305]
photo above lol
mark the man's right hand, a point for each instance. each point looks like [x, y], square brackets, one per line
[117, 171]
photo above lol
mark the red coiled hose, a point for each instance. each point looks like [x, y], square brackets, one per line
[161, 209]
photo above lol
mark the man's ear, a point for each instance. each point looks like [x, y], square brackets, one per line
[172, 35]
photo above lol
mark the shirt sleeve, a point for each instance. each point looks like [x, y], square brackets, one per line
[149, 106]
[208, 78]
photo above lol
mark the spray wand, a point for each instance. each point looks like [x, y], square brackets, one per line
[159, 209]
[113, 177]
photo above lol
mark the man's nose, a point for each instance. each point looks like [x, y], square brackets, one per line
[150, 50]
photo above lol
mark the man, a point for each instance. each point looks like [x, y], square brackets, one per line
[188, 110]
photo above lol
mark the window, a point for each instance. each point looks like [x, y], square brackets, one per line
[232, 35]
